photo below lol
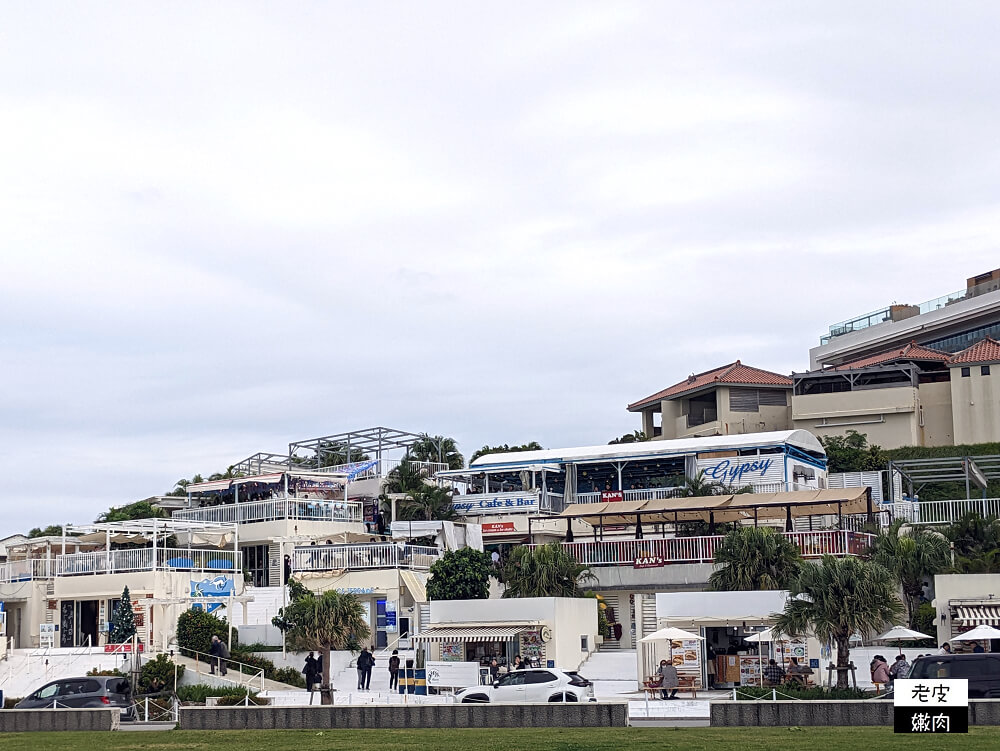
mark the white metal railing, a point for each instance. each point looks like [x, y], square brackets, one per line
[142, 559]
[383, 467]
[27, 570]
[246, 679]
[673, 550]
[275, 509]
[364, 556]
[943, 512]
[652, 494]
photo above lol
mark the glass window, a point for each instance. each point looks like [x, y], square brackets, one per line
[966, 372]
[513, 679]
[48, 692]
[984, 370]
[540, 676]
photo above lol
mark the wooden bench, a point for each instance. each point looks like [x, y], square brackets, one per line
[688, 684]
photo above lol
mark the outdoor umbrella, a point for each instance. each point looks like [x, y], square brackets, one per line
[979, 633]
[900, 634]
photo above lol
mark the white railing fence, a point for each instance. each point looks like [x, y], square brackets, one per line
[944, 512]
[251, 512]
[18, 571]
[142, 559]
[376, 555]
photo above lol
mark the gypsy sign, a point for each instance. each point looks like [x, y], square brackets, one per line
[732, 472]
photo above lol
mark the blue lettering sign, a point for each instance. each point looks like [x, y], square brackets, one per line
[732, 473]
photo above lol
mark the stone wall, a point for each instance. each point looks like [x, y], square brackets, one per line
[24, 720]
[414, 716]
[842, 713]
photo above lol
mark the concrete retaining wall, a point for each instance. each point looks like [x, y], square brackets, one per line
[843, 713]
[23, 720]
[417, 716]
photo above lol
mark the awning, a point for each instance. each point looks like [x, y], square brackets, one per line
[978, 615]
[473, 633]
[270, 479]
[207, 487]
[415, 584]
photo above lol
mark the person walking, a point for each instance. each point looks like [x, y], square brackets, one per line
[365, 664]
[221, 652]
[394, 670]
[213, 650]
[669, 682]
[312, 672]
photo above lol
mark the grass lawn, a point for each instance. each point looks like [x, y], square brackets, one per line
[547, 739]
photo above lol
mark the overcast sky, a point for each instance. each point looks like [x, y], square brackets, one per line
[229, 226]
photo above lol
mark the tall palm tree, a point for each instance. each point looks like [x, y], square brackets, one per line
[754, 558]
[837, 598]
[437, 448]
[323, 623]
[544, 571]
[976, 542]
[912, 554]
[427, 503]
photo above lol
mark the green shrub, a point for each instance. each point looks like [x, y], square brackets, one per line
[231, 701]
[195, 629]
[113, 671]
[199, 691]
[749, 693]
[158, 675]
[291, 676]
[258, 647]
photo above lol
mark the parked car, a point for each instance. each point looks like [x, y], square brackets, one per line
[533, 685]
[982, 671]
[90, 691]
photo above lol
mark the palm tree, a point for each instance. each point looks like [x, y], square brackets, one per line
[837, 598]
[544, 571]
[754, 558]
[437, 449]
[427, 503]
[323, 623]
[976, 542]
[911, 554]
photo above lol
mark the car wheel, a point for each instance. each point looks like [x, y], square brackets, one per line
[557, 697]
[475, 699]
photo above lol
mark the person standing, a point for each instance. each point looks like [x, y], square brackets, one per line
[365, 664]
[213, 650]
[312, 671]
[394, 670]
[223, 656]
[669, 681]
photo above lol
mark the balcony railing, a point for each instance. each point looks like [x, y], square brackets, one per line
[142, 559]
[675, 550]
[943, 512]
[279, 509]
[22, 571]
[650, 494]
[352, 557]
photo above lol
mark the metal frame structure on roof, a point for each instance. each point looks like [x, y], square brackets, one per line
[972, 470]
[262, 463]
[374, 440]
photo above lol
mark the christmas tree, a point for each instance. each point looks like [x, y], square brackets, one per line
[123, 620]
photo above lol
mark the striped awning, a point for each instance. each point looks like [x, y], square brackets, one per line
[977, 615]
[473, 633]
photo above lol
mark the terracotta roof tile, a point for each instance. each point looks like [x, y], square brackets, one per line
[911, 351]
[985, 350]
[735, 373]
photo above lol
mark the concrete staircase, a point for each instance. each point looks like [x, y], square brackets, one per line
[614, 674]
[346, 680]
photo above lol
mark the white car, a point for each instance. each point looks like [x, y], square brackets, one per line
[530, 685]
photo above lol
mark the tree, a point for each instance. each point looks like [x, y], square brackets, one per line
[636, 436]
[462, 574]
[533, 446]
[836, 598]
[755, 558]
[976, 542]
[137, 510]
[428, 503]
[322, 623]
[332, 453]
[437, 449]
[123, 620]
[405, 478]
[851, 453]
[544, 571]
[911, 554]
[53, 530]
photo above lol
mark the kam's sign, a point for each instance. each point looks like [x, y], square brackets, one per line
[496, 528]
[649, 561]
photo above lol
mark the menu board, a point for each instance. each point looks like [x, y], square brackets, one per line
[453, 652]
[532, 646]
[749, 670]
[686, 657]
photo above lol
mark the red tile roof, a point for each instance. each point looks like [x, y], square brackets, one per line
[735, 373]
[910, 352]
[985, 350]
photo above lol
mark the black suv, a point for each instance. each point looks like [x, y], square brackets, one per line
[982, 670]
[91, 691]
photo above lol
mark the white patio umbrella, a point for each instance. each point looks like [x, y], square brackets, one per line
[979, 633]
[901, 633]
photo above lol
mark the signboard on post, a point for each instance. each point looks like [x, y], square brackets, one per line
[452, 674]
[47, 635]
[931, 705]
